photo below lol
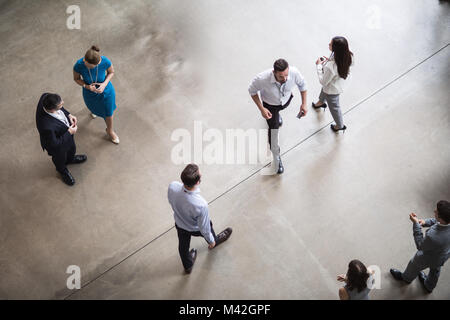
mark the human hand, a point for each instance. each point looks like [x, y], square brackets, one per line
[266, 113]
[73, 120]
[341, 278]
[421, 222]
[212, 245]
[72, 129]
[304, 108]
[413, 217]
[321, 60]
[101, 87]
[91, 87]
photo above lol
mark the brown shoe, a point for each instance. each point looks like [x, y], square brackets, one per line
[223, 236]
[193, 254]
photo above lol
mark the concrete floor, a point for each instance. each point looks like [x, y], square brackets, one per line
[342, 196]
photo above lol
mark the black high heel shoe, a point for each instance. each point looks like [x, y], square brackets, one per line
[324, 106]
[336, 130]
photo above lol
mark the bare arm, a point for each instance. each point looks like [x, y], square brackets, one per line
[78, 80]
[258, 102]
[303, 106]
[343, 295]
[109, 75]
[264, 112]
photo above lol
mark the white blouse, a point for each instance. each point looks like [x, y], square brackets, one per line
[329, 78]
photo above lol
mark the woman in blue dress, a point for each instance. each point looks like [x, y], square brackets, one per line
[94, 73]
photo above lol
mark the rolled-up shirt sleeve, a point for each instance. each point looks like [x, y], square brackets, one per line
[204, 224]
[300, 82]
[254, 86]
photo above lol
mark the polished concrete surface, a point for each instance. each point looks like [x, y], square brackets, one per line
[342, 196]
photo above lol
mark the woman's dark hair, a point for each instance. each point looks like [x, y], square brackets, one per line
[51, 101]
[357, 275]
[92, 56]
[190, 175]
[342, 55]
[443, 208]
[280, 65]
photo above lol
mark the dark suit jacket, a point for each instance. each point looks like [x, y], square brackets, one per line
[54, 135]
[434, 249]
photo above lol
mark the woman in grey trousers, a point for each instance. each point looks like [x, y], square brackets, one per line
[332, 73]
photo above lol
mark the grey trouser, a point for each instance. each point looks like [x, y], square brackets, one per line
[274, 127]
[413, 269]
[333, 104]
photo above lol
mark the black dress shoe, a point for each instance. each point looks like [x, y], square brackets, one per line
[397, 275]
[79, 158]
[193, 254]
[67, 178]
[280, 167]
[422, 279]
[223, 236]
[336, 130]
[324, 106]
[280, 120]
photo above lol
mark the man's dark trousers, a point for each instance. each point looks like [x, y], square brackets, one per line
[64, 157]
[184, 242]
[274, 122]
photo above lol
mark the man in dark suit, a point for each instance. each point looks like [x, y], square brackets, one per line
[56, 128]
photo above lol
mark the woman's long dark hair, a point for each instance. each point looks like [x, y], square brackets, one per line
[342, 55]
[357, 275]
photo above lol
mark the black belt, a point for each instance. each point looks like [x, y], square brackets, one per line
[265, 104]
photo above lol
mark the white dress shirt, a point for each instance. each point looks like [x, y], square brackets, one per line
[59, 114]
[272, 92]
[329, 78]
[190, 210]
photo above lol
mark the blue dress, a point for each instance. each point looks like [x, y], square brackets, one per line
[100, 104]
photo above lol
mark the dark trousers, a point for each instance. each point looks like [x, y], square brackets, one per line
[63, 157]
[274, 122]
[184, 241]
[413, 269]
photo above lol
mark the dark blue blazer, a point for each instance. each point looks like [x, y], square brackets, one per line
[54, 135]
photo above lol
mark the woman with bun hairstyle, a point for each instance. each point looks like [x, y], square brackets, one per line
[332, 73]
[94, 73]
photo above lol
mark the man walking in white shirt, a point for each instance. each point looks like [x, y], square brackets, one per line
[191, 215]
[275, 87]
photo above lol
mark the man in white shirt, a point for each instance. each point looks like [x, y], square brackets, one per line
[191, 215]
[275, 87]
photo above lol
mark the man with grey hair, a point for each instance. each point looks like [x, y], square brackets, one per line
[275, 87]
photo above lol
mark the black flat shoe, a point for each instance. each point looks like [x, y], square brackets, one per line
[67, 178]
[280, 121]
[324, 106]
[397, 275]
[422, 279]
[337, 130]
[79, 158]
[193, 254]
